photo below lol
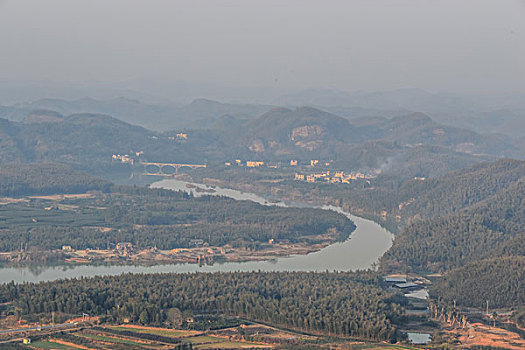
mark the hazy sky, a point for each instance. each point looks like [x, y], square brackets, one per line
[453, 45]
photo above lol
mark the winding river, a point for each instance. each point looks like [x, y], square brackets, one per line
[364, 247]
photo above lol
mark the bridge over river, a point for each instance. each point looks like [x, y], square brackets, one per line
[166, 169]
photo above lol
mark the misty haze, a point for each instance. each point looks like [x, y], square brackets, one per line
[262, 174]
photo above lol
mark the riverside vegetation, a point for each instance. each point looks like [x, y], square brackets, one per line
[149, 218]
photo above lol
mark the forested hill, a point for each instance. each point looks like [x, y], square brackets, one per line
[457, 190]
[283, 133]
[46, 178]
[494, 227]
[500, 281]
[347, 304]
[85, 141]
[427, 197]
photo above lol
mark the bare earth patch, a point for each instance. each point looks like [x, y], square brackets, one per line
[482, 335]
[56, 197]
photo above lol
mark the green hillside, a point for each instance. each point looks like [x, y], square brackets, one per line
[498, 281]
[491, 228]
[46, 178]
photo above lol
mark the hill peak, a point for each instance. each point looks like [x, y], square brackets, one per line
[204, 102]
[43, 116]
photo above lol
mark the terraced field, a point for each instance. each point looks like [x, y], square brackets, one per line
[138, 337]
[123, 337]
[43, 344]
[165, 332]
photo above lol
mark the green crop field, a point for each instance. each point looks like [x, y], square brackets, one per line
[161, 332]
[112, 339]
[204, 339]
[42, 344]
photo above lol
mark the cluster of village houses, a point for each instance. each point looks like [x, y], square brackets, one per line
[326, 175]
[180, 137]
[126, 158]
[292, 163]
[130, 159]
[334, 177]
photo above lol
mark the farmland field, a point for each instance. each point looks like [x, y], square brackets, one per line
[51, 345]
[155, 331]
[127, 336]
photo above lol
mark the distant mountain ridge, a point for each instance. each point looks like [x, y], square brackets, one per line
[408, 145]
[310, 132]
[481, 113]
[199, 113]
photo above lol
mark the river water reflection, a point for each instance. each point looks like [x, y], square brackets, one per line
[364, 247]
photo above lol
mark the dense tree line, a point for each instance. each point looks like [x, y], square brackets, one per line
[46, 178]
[494, 227]
[160, 218]
[349, 304]
[500, 281]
